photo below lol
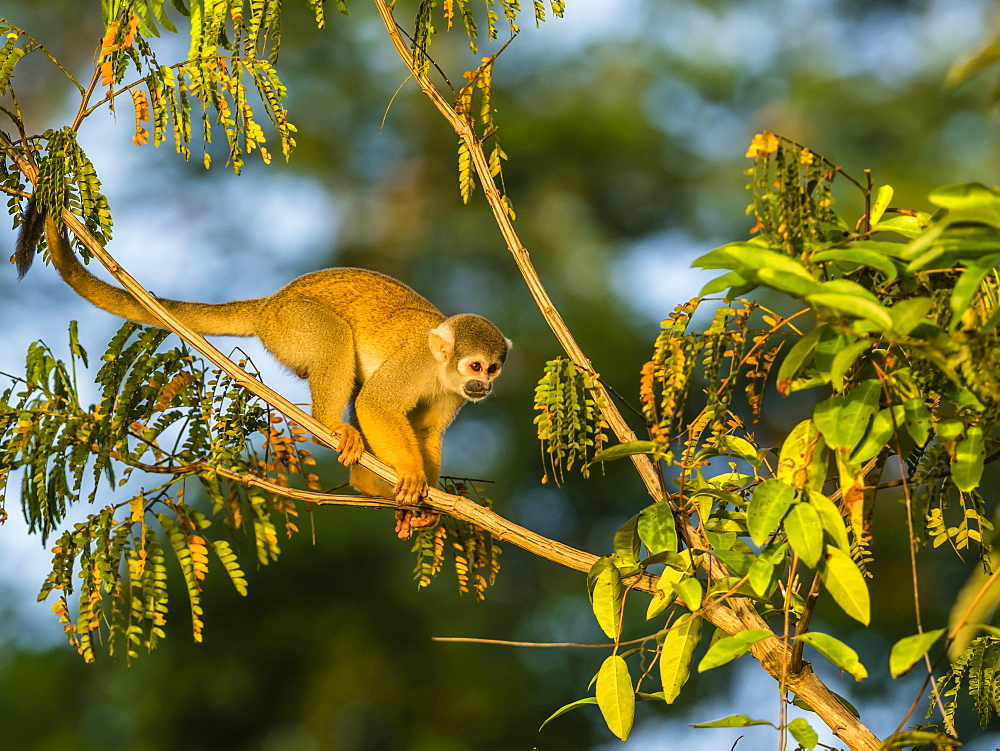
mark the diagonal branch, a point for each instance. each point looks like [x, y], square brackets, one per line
[773, 654]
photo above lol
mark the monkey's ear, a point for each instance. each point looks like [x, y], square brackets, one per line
[442, 342]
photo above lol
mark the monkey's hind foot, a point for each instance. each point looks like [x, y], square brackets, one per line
[407, 521]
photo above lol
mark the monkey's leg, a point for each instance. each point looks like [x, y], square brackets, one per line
[315, 344]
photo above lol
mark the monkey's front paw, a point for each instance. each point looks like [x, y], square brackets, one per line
[351, 446]
[410, 487]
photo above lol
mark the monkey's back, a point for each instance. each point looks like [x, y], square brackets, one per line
[369, 302]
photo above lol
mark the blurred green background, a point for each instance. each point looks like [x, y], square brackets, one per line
[625, 123]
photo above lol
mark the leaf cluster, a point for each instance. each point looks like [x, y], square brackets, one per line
[161, 412]
[895, 332]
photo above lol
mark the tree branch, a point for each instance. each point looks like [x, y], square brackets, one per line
[772, 653]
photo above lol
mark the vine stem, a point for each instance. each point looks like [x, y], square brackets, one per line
[773, 654]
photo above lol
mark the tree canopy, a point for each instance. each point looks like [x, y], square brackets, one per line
[811, 435]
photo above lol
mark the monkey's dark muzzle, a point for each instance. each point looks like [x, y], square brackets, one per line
[476, 390]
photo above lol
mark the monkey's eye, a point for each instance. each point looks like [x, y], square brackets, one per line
[475, 367]
[493, 369]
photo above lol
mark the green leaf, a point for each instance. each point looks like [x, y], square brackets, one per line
[742, 448]
[733, 721]
[909, 649]
[788, 282]
[657, 529]
[763, 574]
[805, 533]
[724, 282]
[748, 259]
[622, 450]
[664, 593]
[796, 358]
[690, 591]
[802, 732]
[737, 562]
[803, 458]
[909, 313]
[883, 197]
[917, 420]
[626, 542]
[969, 202]
[920, 739]
[838, 653]
[859, 256]
[879, 433]
[970, 453]
[676, 655]
[965, 289]
[615, 696]
[904, 224]
[768, 505]
[845, 359]
[843, 420]
[606, 596]
[569, 707]
[845, 583]
[729, 648]
[853, 306]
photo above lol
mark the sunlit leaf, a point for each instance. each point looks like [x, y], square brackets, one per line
[623, 450]
[853, 306]
[883, 197]
[805, 533]
[838, 653]
[909, 649]
[803, 459]
[676, 654]
[615, 696]
[569, 707]
[626, 542]
[733, 721]
[656, 528]
[768, 505]
[606, 596]
[970, 454]
[729, 648]
[802, 731]
[845, 583]
[796, 358]
[831, 518]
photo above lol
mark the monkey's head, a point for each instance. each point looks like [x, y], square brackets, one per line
[470, 351]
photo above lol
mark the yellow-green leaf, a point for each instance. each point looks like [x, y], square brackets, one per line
[805, 533]
[838, 653]
[729, 648]
[676, 655]
[615, 696]
[803, 459]
[768, 505]
[606, 596]
[970, 453]
[845, 583]
[909, 649]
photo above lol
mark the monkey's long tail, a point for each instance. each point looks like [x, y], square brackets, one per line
[235, 318]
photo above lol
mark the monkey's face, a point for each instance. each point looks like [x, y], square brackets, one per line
[476, 375]
[470, 352]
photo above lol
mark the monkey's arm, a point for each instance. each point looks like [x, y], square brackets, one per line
[382, 407]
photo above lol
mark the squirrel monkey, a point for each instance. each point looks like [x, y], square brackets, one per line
[360, 338]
